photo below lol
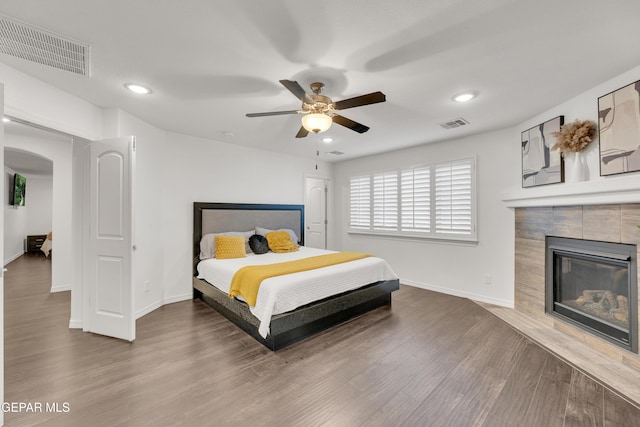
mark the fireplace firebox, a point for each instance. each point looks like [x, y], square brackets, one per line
[593, 285]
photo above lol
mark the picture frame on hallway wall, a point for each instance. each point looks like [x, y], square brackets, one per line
[619, 130]
[540, 164]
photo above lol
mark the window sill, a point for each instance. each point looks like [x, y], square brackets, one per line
[467, 240]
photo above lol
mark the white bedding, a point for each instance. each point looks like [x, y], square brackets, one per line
[288, 292]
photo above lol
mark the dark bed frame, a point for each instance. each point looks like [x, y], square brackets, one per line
[293, 326]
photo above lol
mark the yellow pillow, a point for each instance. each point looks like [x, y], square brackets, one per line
[280, 241]
[230, 247]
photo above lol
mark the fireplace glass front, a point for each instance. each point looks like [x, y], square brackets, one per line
[594, 286]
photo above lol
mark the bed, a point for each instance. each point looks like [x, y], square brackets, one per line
[292, 307]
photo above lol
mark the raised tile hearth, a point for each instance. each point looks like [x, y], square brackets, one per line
[613, 366]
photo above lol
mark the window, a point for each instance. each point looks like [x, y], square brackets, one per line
[431, 201]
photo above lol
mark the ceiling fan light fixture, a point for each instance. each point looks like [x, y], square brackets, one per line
[316, 122]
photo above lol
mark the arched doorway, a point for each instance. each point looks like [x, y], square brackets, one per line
[33, 151]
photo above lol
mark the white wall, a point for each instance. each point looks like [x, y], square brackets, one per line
[449, 267]
[201, 170]
[460, 269]
[39, 204]
[60, 153]
[35, 101]
[172, 172]
[15, 221]
[33, 218]
[583, 107]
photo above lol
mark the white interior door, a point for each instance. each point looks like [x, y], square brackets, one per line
[315, 213]
[110, 239]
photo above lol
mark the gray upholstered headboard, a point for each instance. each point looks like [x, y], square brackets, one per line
[221, 217]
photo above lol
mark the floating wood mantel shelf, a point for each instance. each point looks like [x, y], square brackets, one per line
[612, 190]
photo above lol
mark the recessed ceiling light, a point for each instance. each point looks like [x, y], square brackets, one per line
[136, 88]
[464, 97]
[327, 139]
[6, 119]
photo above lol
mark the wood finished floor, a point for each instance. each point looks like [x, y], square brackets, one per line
[430, 360]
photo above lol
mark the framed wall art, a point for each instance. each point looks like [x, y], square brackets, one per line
[619, 130]
[541, 165]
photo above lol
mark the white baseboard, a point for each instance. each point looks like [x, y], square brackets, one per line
[60, 288]
[75, 324]
[148, 309]
[156, 305]
[178, 298]
[458, 293]
[13, 258]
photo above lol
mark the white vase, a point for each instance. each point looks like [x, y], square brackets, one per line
[578, 171]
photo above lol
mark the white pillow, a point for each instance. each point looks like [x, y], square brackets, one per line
[263, 232]
[208, 242]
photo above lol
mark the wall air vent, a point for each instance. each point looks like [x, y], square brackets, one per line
[336, 153]
[43, 47]
[455, 123]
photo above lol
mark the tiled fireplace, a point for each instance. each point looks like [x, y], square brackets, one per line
[612, 223]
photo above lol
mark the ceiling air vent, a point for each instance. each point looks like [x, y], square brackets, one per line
[455, 123]
[43, 47]
[336, 153]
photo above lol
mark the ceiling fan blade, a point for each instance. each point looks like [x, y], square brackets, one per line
[302, 132]
[272, 113]
[371, 98]
[297, 90]
[348, 123]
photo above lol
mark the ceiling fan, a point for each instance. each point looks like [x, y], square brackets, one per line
[319, 110]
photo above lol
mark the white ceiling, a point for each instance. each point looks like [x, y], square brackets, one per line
[210, 62]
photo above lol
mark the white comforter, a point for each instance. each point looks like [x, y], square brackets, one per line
[288, 292]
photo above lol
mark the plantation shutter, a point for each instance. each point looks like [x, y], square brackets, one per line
[428, 201]
[415, 200]
[453, 197]
[385, 201]
[360, 200]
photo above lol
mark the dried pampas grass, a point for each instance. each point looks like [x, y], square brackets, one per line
[575, 136]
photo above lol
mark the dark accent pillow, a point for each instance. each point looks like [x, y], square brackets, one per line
[258, 244]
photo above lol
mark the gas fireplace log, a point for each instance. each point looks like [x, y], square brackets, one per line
[621, 315]
[623, 302]
[608, 301]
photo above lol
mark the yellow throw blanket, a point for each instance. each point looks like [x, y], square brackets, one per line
[247, 280]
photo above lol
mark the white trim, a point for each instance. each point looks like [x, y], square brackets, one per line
[177, 298]
[611, 190]
[372, 189]
[156, 305]
[60, 288]
[41, 121]
[414, 235]
[148, 309]
[13, 258]
[75, 324]
[457, 293]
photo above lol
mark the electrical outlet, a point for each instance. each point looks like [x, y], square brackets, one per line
[147, 286]
[487, 279]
